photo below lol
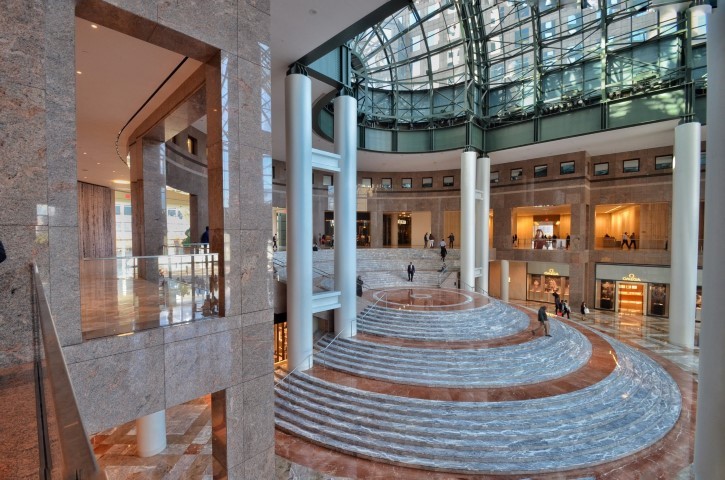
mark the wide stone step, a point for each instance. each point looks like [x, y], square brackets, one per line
[629, 410]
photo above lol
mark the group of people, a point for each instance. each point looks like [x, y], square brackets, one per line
[429, 240]
[562, 309]
[629, 241]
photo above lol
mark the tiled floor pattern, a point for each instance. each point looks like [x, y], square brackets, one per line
[188, 453]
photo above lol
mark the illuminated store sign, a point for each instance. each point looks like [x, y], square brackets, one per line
[631, 278]
[551, 271]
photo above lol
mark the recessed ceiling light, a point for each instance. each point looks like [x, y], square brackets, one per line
[98, 163]
[85, 153]
[78, 72]
[93, 25]
[121, 182]
[113, 171]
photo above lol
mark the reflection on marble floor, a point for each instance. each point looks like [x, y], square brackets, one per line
[114, 300]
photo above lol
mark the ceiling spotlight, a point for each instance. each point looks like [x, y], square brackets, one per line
[78, 72]
[94, 26]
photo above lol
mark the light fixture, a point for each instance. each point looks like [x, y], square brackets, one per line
[94, 26]
[121, 182]
[79, 72]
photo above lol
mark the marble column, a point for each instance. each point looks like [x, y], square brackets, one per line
[346, 214]
[709, 439]
[298, 123]
[483, 205]
[151, 434]
[505, 280]
[468, 220]
[683, 240]
[394, 230]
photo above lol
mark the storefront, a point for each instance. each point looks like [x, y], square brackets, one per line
[544, 278]
[637, 289]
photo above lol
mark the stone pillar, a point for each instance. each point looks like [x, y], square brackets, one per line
[505, 280]
[148, 196]
[468, 219]
[685, 227]
[709, 440]
[394, 230]
[483, 185]
[346, 214]
[151, 434]
[298, 123]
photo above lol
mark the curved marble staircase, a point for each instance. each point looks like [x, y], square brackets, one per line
[628, 410]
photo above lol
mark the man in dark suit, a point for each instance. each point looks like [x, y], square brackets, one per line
[411, 271]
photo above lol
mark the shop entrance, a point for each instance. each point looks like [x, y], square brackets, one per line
[397, 228]
[631, 297]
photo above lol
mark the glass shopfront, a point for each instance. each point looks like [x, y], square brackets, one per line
[637, 289]
[543, 279]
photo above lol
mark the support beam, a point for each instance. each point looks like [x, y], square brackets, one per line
[483, 186]
[709, 439]
[468, 219]
[683, 240]
[346, 215]
[298, 124]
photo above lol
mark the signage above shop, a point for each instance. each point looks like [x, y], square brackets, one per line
[631, 278]
[551, 271]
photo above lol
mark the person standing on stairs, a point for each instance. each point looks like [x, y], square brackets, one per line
[411, 271]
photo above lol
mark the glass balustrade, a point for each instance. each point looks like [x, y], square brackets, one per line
[126, 294]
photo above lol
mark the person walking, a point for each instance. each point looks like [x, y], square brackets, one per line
[565, 310]
[411, 271]
[205, 236]
[632, 241]
[625, 240]
[584, 309]
[451, 238]
[425, 240]
[431, 241]
[557, 301]
[543, 322]
[274, 242]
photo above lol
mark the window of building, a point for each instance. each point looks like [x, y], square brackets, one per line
[406, 183]
[427, 182]
[367, 182]
[386, 183]
[327, 180]
[448, 181]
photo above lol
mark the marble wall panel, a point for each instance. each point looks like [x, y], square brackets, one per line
[262, 5]
[119, 388]
[214, 23]
[200, 365]
[23, 181]
[233, 265]
[257, 356]
[253, 29]
[65, 284]
[258, 421]
[260, 466]
[255, 106]
[23, 244]
[201, 328]
[256, 268]
[255, 195]
[21, 43]
[105, 346]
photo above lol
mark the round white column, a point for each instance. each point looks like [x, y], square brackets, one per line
[709, 438]
[505, 280]
[468, 219]
[346, 214]
[298, 124]
[483, 184]
[151, 434]
[685, 228]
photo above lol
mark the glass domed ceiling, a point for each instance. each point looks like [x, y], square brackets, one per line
[458, 59]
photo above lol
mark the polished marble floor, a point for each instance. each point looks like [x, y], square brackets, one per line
[188, 454]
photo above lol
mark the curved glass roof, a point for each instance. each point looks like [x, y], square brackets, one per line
[459, 59]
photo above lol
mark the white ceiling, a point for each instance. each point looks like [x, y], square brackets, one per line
[120, 72]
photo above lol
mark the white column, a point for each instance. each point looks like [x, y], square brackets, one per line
[468, 219]
[505, 280]
[151, 434]
[298, 124]
[709, 439]
[483, 184]
[346, 214]
[685, 228]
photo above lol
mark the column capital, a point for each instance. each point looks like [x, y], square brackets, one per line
[297, 68]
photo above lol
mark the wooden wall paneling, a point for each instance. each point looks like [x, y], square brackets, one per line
[96, 221]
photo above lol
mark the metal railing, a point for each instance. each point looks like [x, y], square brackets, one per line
[57, 408]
